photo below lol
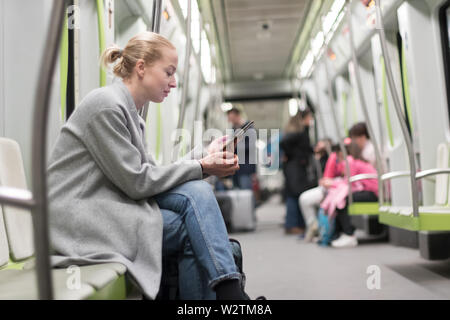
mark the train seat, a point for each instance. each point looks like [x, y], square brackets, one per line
[363, 208]
[17, 271]
[431, 218]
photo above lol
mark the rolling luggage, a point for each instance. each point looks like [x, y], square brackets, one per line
[238, 209]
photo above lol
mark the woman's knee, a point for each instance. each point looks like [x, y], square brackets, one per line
[196, 189]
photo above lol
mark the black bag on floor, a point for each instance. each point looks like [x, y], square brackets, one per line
[169, 281]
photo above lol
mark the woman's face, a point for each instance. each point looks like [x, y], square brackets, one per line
[159, 78]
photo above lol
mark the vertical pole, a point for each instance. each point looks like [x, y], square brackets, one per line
[156, 22]
[39, 150]
[364, 104]
[338, 132]
[185, 69]
[398, 110]
[200, 80]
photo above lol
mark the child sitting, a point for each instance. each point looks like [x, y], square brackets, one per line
[335, 203]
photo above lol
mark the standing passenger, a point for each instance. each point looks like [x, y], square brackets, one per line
[244, 177]
[110, 202]
[297, 153]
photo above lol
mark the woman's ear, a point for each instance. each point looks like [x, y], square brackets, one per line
[140, 68]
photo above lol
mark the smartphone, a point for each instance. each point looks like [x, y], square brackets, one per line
[237, 136]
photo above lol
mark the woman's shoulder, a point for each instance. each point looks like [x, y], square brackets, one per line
[101, 98]
[364, 165]
[97, 101]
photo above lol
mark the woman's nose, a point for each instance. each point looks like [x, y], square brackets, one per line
[173, 83]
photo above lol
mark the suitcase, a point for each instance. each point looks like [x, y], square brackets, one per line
[238, 209]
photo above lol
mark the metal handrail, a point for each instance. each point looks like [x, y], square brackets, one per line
[431, 172]
[362, 98]
[199, 82]
[156, 22]
[185, 71]
[363, 176]
[20, 198]
[156, 16]
[336, 122]
[398, 110]
[39, 148]
[319, 110]
[395, 174]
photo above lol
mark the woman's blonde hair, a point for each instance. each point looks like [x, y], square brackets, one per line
[146, 46]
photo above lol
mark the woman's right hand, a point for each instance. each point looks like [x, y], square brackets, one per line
[220, 164]
[326, 182]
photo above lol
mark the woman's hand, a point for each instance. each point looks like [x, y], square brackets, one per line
[326, 182]
[217, 145]
[220, 164]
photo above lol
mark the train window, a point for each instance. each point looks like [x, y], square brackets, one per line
[444, 17]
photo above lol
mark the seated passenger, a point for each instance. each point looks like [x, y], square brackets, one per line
[360, 135]
[335, 203]
[110, 202]
[310, 200]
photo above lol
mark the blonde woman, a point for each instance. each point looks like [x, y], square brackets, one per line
[110, 202]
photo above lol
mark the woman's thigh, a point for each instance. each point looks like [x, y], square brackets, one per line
[197, 193]
[364, 196]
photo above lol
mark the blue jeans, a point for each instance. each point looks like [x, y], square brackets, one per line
[294, 217]
[195, 232]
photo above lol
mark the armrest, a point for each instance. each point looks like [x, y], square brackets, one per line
[431, 172]
[363, 176]
[16, 197]
[395, 174]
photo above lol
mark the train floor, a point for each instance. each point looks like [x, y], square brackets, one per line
[283, 267]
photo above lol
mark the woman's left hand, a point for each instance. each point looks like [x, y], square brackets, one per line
[217, 145]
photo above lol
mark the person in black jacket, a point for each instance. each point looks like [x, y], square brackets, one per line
[297, 154]
[244, 177]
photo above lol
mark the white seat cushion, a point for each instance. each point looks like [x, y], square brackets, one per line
[18, 222]
[22, 285]
[442, 162]
[4, 250]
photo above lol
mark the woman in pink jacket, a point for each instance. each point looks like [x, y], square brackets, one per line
[336, 201]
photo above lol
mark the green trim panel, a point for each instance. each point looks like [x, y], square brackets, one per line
[434, 222]
[13, 265]
[406, 88]
[385, 101]
[345, 111]
[116, 290]
[425, 221]
[399, 221]
[354, 112]
[363, 208]
[101, 38]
